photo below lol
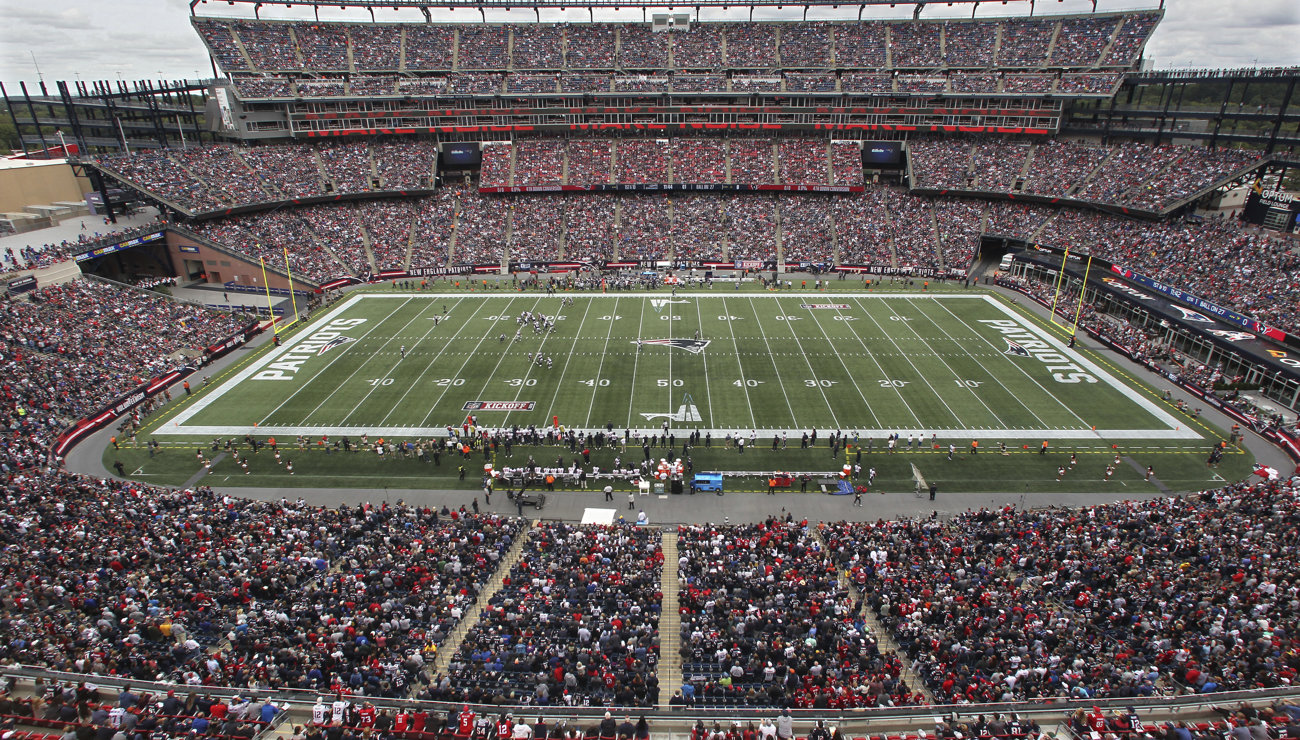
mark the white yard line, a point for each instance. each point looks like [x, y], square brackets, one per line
[636, 360]
[744, 382]
[595, 388]
[504, 312]
[794, 418]
[816, 380]
[353, 410]
[564, 370]
[327, 366]
[704, 358]
[915, 369]
[1016, 365]
[844, 365]
[955, 376]
[523, 382]
[420, 378]
[880, 367]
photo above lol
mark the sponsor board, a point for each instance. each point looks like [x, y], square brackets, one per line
[832, 306]
[22, 284]
[1232, 336]
[1127, 289]
[1220, 312]
[499, 406]
[120, 246]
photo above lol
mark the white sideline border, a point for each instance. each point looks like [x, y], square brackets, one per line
[177, 426]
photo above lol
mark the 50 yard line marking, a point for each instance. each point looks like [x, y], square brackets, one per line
[631, 387]
[322, 371]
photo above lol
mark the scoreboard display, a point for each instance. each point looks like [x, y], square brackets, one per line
[461, 156]
[882, 154]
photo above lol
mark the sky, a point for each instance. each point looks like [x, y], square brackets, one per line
[152, 39]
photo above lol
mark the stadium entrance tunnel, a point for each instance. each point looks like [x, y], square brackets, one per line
[143, 264]
[993, 252]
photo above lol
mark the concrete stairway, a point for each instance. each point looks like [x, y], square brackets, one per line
[451, 645]
[670, 657]
[884, 641]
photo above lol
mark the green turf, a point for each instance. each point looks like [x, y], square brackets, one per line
[924, 363]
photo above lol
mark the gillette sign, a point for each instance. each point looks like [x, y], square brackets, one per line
[1178, 294]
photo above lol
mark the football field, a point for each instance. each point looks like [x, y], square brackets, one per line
[949, 366]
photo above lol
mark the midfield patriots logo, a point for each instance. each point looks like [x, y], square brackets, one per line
[694, 346]
[1015, 349]
[331, 344]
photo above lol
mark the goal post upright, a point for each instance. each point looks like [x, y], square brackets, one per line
[1082, 289]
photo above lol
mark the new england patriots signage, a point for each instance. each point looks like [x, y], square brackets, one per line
[327, 338]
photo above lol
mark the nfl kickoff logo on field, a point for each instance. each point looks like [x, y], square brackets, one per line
[499, 406]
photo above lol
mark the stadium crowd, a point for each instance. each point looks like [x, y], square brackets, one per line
[766, 622]
[584, 162]
[66, 350]
[1131, 599]
[1131, 175]
[575, 622]
[274, 46]
[208, 178]
[522, 83]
